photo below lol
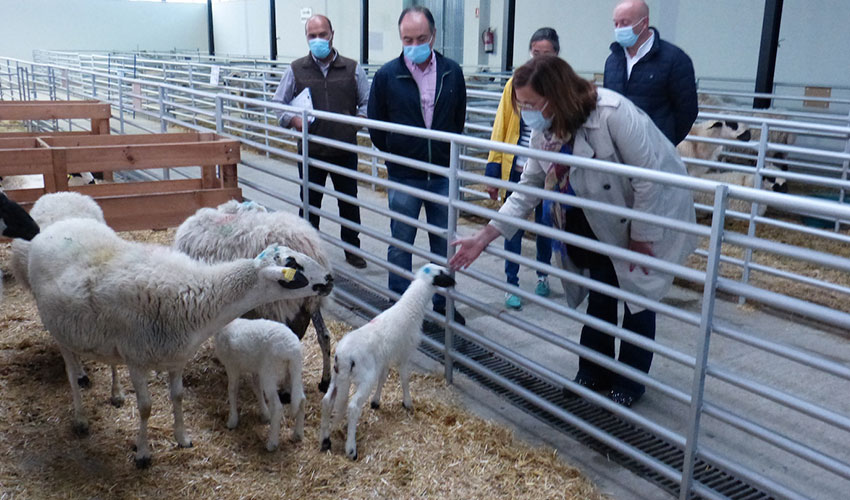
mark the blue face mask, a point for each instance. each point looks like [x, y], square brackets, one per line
[535, 119]
[319, 47]
[626, 35]
[418, 54]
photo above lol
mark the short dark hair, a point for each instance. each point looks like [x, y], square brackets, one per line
[570, 97]
[320, 16]
[422, 10]
[546, 34]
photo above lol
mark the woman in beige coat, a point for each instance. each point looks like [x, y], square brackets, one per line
[570, 115]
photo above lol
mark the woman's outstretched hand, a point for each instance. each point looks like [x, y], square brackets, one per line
[470, 248]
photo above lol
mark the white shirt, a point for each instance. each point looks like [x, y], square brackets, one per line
[642, 51]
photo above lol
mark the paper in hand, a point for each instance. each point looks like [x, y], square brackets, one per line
[304, 100]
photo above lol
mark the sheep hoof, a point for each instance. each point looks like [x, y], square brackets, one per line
[117, 401]
[270, 447]
[375, 405]
[326, 444]
[232, 423]
[407, 406]
[84, 381]
[352, 454]
[143, 463]
[323, 385]
[187, 445]
[284, 397]
[81, 429]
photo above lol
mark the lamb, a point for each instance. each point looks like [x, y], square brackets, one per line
[36, 181]
[717, 129]
[270, 352]
[365, 355]
[149, 307]
[237, 230]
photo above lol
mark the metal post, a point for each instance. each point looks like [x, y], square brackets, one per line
[751, 227]
[451, 230]
[844, 167]
[266, 113]
[305, 159]
[219, 120]
[509, 24]
[708, 298]
[93, 86]
[210, 37]
[34, 80]
[272, 31]
[364, 31]
[767, 51]
[163, 126]
[121, 101]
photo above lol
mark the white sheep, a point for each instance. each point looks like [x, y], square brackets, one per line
[36, 181]
[769, 183]
[238, 230]
[48, 209]
[148, 306]
[364, 356]
[716, 129]
[15, 222]
[271, 353]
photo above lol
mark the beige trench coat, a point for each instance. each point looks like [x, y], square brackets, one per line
[618, 131]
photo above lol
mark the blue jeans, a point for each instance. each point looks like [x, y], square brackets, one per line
[514, 245]
[410, 205]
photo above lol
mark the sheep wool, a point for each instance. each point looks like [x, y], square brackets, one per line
[148, 306]
[364, 356]
[240, 230]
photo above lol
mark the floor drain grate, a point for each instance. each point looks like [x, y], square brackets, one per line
[721, 481]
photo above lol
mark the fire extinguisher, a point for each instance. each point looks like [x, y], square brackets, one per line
[488, 38]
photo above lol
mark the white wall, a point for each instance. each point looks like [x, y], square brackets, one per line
[241, 27]
[26, 25]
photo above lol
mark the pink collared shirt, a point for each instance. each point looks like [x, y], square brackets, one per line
[427, 82]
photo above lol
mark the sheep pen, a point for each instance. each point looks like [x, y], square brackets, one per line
[436, 452]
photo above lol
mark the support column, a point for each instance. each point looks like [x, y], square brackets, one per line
[767, 51]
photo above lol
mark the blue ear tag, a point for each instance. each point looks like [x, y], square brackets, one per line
[427, 270]
[262, 255]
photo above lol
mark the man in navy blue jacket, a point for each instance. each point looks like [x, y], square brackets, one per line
[423, 89]
[655, 75]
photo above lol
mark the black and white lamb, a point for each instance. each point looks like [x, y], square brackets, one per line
[238, 230]
[148, 306]
[271, 353]
[364, 356]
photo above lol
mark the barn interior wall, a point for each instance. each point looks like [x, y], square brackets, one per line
[99, 25]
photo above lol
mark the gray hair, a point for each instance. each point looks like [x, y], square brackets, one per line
[546, 34]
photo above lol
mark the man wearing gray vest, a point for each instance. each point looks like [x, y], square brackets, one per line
[339, 85]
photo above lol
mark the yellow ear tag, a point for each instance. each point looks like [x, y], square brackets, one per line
[288, 273]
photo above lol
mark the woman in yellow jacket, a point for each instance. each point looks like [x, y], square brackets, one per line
[509, 127]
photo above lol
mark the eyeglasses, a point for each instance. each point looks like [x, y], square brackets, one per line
[524, 106]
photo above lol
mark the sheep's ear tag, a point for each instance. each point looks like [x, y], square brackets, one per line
[288, 274]
[427, 270]
[262, 255]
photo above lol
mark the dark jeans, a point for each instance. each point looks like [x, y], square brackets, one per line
[514, 245]
[342, 184]
[437, 214]
[605, 308]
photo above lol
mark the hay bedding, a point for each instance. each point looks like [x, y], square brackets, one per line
[437, 451]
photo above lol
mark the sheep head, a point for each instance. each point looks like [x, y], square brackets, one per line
[294, 271]
[436, 275]
[15, 222]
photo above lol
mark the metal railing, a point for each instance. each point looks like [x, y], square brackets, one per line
[754, 422]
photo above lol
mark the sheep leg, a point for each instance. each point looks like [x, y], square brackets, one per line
[175, 384]
[355, 406]
[232, 393]
[80, 376]
[117, 398]
[143, 400]
[325, 344]
[261, 397]
[268, 386]
[404, 375]
[298, 404]
[327, 408]
[382, 378]
[80, 424]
